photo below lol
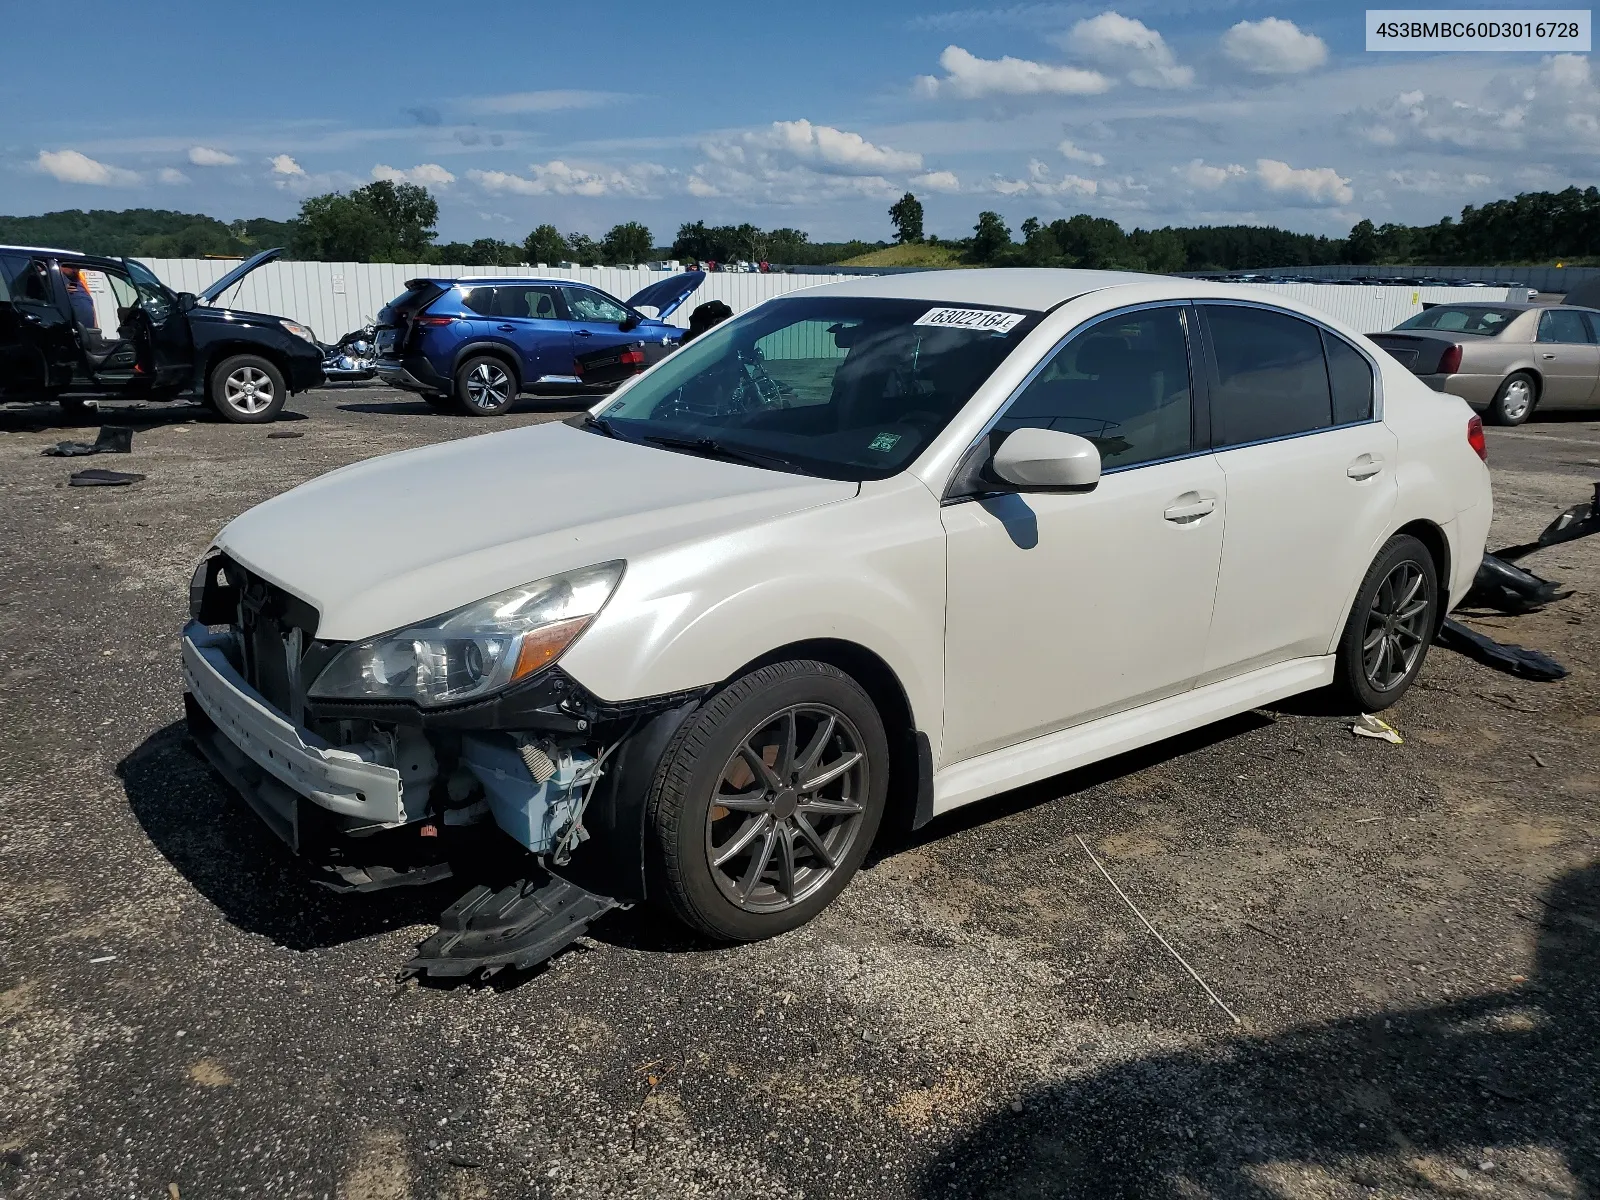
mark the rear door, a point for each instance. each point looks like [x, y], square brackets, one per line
[37, 348]
[1568, 358]
[530, 315]
[1310, 479]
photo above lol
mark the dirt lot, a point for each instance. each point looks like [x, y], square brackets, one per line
[1410, 934]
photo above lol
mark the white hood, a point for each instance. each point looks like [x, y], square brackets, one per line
[393, 540]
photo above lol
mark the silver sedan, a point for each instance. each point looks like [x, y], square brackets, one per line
[1504, 359]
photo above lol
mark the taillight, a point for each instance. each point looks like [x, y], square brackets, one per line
[632, 358]
[1450, 360]
[435, 322]
[1475, 437]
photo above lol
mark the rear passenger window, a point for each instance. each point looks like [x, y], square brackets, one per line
[1351, 376]
[1562, 325]
[1271, 379]
[1123, 384]
[480, 300]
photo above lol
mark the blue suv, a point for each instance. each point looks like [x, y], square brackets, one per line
[477, 343]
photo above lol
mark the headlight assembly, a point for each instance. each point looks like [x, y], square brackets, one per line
[474, 651]
[300, 331]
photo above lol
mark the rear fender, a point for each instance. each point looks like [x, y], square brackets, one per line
[505, 352]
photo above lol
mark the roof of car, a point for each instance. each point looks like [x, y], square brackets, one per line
[456, 280]
[1034, 288]
[47, 250]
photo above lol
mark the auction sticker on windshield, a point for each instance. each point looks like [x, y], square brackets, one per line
[987, 320]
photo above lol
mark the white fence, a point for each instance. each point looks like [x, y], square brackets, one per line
[334, 298]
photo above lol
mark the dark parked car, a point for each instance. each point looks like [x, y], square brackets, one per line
[77, 325]
[477, 343]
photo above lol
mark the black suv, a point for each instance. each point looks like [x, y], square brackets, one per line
[76, 325]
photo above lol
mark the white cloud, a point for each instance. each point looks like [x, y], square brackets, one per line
[282, 164]
[1121, 43]
[825, 148]
[1273, 46]
[206, 156]
[69, 166]
[937, 181]
[970, 77]
[1320, 185]
[558, 178]
[1196, 173]
[172, 176]
[1071, 150]
[554, 100]
[425, 174]
[1041, 182]
[1437, 183]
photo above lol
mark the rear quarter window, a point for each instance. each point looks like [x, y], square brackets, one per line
[1350, 375]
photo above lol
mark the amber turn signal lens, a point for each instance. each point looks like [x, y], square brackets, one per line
[541, 647]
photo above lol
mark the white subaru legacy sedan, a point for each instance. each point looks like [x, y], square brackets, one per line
[864, 554]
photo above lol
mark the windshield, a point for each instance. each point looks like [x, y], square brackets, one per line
[844, 387]
[1454, 318]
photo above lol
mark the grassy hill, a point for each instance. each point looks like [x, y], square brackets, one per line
[912, 254]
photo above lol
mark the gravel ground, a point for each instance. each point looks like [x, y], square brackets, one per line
[1409, 934]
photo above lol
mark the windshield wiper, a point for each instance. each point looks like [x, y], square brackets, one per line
[590, 421]
[711, 448]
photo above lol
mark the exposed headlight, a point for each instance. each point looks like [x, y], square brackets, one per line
[300, 331]
[473, 651]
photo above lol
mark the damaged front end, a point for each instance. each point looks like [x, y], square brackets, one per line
[478, 759]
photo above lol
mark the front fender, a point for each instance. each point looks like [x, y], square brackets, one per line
[869, 570]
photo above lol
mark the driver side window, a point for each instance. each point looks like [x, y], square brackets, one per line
[1123, 383]
[587, 305]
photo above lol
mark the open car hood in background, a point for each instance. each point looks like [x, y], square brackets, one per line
[666, 295]
[234, 276]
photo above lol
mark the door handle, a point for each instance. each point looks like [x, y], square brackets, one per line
[1365, 467]
[582, 333]
[1190, 507]
[506, 328]
[1547, 355]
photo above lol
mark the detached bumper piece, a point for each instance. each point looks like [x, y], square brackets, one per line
[519, 926]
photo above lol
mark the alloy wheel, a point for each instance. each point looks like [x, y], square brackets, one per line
[248, 390]
[787, 808]
[1396, 627]
[488, 385]
[1518, 399]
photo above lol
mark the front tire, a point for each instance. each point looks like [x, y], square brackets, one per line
[1391, 626]
[247, 390]
[1513, 403]
[765, 803]
[485, 387]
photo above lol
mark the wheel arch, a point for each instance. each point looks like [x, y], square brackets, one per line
[486, 349]
[1529, 370]
[910, 802]
[219, 352]
[1438, 545]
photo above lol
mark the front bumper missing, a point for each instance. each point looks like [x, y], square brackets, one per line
[271, 761]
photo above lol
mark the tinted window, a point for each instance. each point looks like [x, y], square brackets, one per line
[27, 279]
[1462, 319]
[479, 300]
[1122, 383]
[1562, 325]
[1351, 376]
[521, 300]
[418, 294]
[1271, 378]
[1593, 321]
[587, 305]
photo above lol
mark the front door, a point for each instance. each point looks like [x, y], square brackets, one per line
[114, 338]
[1568, 358]
[169, 342]
[596, 320]
[1311, 484]
[1067, 607]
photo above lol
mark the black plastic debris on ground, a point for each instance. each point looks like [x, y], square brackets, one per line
[98, 478]
[519, 926]
[1579, 521]
[286, 433]
[112, 439]
[1510, 589]
[1514, 660]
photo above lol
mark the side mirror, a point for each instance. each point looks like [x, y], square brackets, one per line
[186, 301]
[628, 323]
[1047, 460]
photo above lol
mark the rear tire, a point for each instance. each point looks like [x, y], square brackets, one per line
[1514, 402]
[743, 851]
[1391, 626]
[247, 390]
[485, 387]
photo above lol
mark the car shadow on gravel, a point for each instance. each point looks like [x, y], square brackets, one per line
[222, 848]
[1413, 1099]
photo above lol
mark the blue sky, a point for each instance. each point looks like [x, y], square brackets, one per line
[818, 115]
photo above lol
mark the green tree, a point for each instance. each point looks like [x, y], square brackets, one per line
[990, 238]
[906, 216]
[1161, 250]
[1362, 245]
[1096, 243]
[627, 244]
[586, 252]
[382, 222]
[546, 245]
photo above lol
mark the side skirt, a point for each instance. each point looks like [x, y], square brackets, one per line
[1001, 770]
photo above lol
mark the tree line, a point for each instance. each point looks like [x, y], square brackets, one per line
[389, 222]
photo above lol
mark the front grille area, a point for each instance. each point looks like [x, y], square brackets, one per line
[275, 628]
